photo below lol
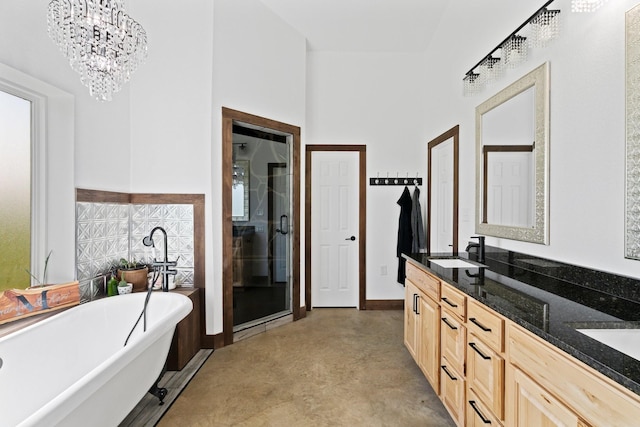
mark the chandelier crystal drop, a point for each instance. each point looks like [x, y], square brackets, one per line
[515, 51]
[491, 68]
[472, 84]
[102, 42]
[545, 27]
[586, 5]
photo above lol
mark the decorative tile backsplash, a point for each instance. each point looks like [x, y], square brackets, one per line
[106, 232]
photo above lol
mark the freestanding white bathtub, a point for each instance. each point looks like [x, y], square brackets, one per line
[72, 369]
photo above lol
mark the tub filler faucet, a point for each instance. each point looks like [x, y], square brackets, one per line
[165, 267]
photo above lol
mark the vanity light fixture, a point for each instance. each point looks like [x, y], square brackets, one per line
[102, 42]
[586, 5]
[541, 28]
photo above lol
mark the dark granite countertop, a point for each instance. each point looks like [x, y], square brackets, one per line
[553, 299]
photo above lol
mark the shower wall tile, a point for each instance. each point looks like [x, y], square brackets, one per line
[106, 232]
[102, 237]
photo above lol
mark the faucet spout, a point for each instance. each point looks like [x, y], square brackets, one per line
[479, 246]
[165, 265]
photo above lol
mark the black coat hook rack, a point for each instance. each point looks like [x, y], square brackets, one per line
[397, 180]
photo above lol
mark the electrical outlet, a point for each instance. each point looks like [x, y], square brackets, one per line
[383, 270]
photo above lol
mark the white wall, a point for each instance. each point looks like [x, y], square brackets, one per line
[587, 141]
[258, 68]
[102, 130]
[378, 100]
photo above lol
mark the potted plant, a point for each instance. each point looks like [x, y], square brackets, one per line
[134, 272]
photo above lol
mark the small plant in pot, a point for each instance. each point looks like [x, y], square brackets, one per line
[133, 272]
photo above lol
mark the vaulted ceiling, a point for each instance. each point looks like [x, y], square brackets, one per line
[362, 25]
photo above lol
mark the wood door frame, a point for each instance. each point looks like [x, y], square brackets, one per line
[270, 219]
[362, 222]
[454, 133]
[230, 116]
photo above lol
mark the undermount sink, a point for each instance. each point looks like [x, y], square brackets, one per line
[453, 263]
[626, 341]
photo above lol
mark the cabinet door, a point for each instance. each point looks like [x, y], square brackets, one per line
[485, 374]
[534, 406]
[410, 323]
[429, 341]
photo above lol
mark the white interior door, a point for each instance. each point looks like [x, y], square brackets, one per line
[334, 229]
[442, 197]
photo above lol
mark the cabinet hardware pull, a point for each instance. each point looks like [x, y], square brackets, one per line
[473, 346]
[446, 371]
[479, 325]
[444, 319]
[415, 310]
[417, 304]
[449, 302]
[475, 408]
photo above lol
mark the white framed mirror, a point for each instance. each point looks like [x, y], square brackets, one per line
[512, 160]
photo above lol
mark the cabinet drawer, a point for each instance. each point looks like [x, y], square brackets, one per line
[477, 413]
[595, 398]
[452, 391]
[427, 283]
[486, 324]
[453, 300]
[485, 374]
[453, 337]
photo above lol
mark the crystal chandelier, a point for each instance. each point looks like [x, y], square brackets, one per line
[586, 5]
[102, 42]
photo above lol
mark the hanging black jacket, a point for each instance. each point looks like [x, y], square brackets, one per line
[405, 235]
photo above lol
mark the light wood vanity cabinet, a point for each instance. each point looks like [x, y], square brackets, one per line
[488, 370]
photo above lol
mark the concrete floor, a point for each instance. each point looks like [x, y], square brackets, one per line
[336, 367]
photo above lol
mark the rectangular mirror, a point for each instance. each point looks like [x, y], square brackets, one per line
[512, 160]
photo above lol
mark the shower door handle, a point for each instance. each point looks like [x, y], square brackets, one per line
[284, 225]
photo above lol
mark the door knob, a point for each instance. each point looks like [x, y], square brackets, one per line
[352, 238]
